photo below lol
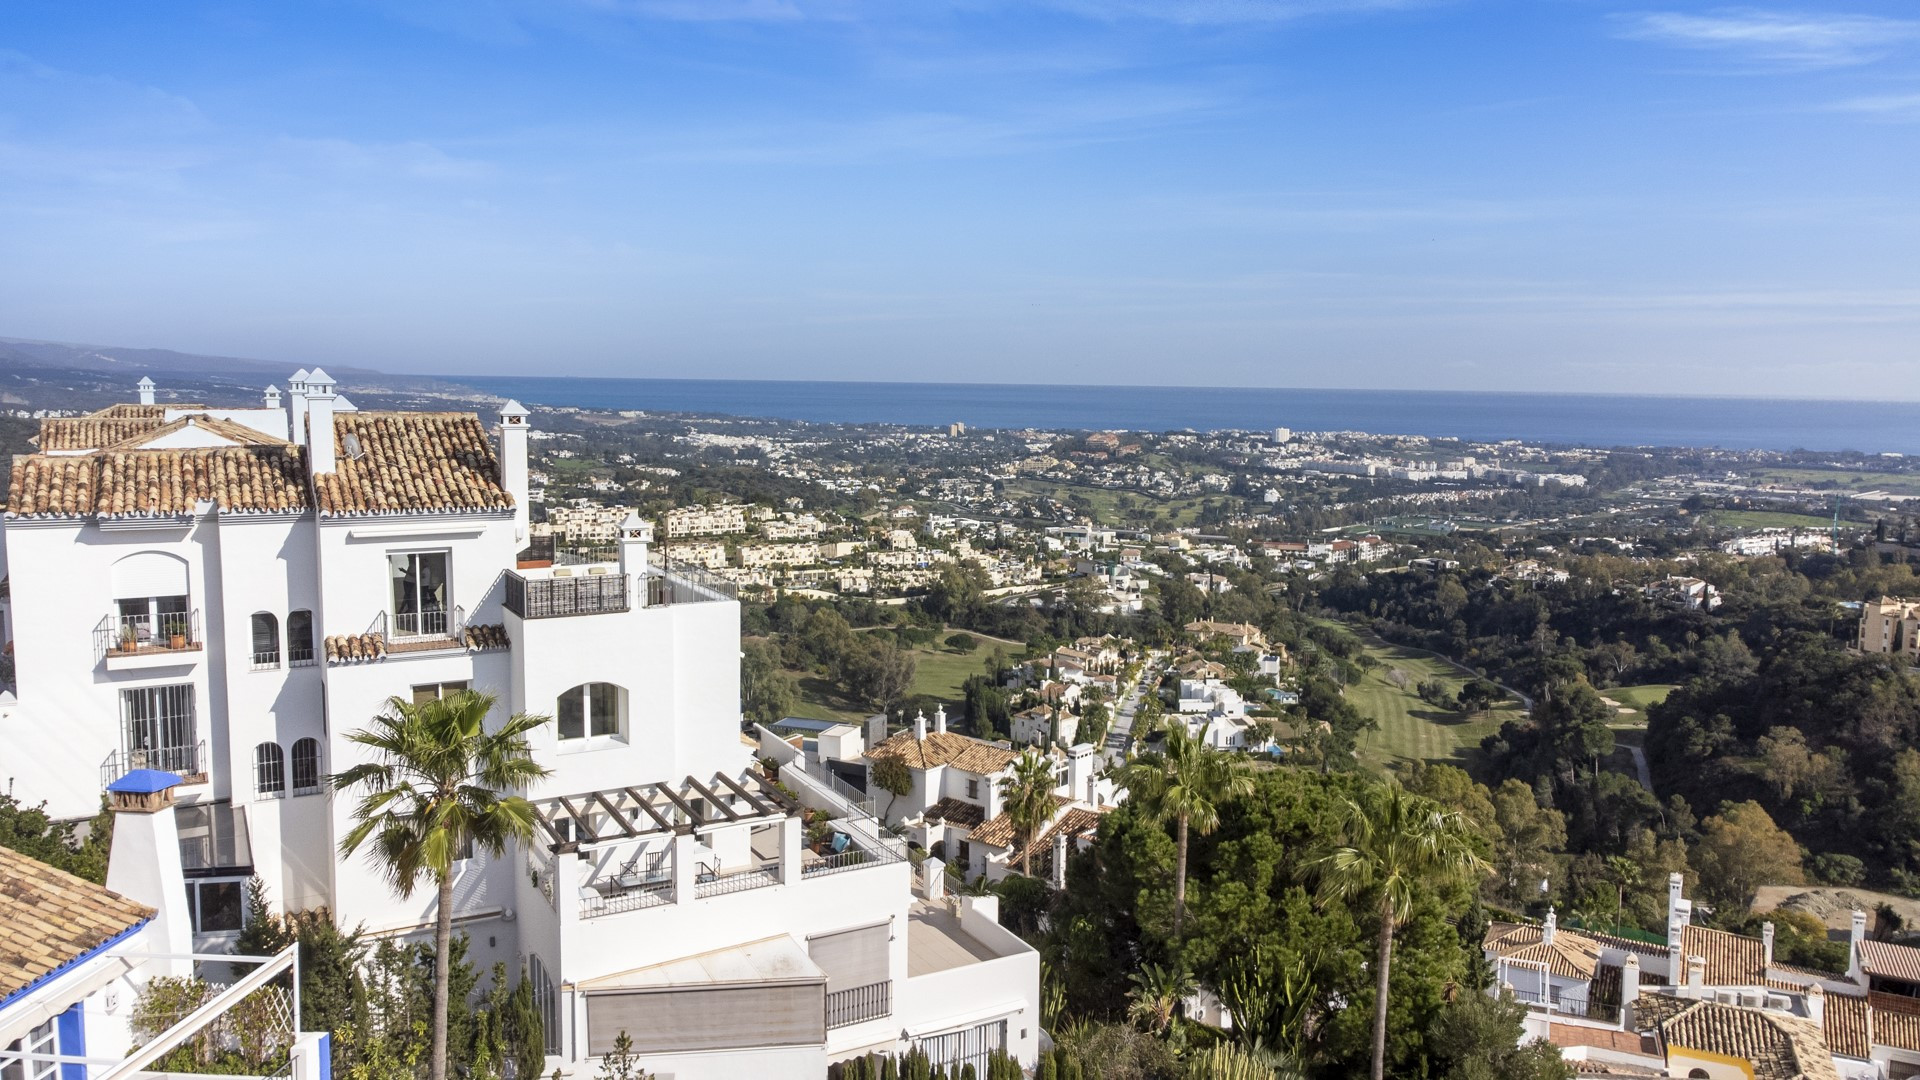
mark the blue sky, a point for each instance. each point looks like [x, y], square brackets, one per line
[1484, 194]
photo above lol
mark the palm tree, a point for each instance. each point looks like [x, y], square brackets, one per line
[434, 791]
[1394, 844]
[1029, 800]
[1157, 994]
[1185, 783]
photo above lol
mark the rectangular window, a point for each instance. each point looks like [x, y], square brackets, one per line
[160, 732]
[419, 593]
[425, 692]
[38, 1041]
[973, 789]
[217, 907]
[545, 1002]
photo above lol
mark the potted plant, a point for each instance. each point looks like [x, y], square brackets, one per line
[177, 639]
[129, 638]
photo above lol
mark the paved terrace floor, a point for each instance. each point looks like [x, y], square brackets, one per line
[935, 941]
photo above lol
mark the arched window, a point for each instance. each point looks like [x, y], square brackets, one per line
[592, 710]
[299, 638]
[269, 769]
[266, 641]
[306, 766]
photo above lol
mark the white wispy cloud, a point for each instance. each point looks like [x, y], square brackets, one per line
[415, 160]
[1777, 38]
[1219, 12]
[1107, 116]
[1895, 107]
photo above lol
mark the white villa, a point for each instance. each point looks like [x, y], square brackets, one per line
[225, 595]
[1709, 1003]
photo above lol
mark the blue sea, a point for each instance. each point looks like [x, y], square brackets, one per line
[1577, 419]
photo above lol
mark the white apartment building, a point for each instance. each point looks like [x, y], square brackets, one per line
[707, 520]
[226, 595]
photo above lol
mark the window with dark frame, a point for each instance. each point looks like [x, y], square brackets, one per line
[299, 638]
[266, 641]
[306, 766]
[269, 770]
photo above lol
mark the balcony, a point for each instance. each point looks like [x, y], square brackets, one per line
[561, 593]
[670, 582]
[187, 762]
[860, 1004]
[139, 641]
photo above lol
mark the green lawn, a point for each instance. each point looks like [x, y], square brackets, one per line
[1411, 729]
[938, 673]
[1899, 483]
[1774, 519]
[1103, 503]
[1637, 698]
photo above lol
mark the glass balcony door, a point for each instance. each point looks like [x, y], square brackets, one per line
[160, 729]
[419, 593]
[152, 620]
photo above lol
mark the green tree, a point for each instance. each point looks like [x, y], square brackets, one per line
[767, 689]
[433, 792]
[891, 775]
[1741, 849]
[1027, 800]
[1394, 844]
[1185, 783]
[1477, 1037]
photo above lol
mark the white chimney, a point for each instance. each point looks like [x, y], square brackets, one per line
[1629, 990]
[320, 442]
[1080, 771]
[635, 534]
[1817, 1003]
[1547, 928]
[145, 863]
[1696, 974]
[513, 462]
[940, 720]
[920, 727]
[297, 410]
[273, 397]
[1766, 942]
[1060, 858]
[1678, 916]
[1856, 933]
[145, 386]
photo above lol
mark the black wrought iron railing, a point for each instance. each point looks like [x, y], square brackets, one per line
[553, 598]
[143, 634]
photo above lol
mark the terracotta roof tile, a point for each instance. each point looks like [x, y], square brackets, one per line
[944, 748]
[955, 811]
[50, 918]
[1732, 959]
[354, 648]
[1780, 1047]
[410, 462]
[1846, 1022]
[1074, 824]
[1890, 961]
[91, 432]
[158, 483]
[484, 636]
[1900, 1030]
[1572, 955]
[231, 430]
[999, 830]
[130, 411]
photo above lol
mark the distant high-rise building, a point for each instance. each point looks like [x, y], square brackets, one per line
[956, 429]
[1282, 435]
